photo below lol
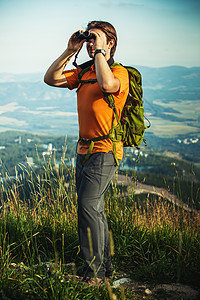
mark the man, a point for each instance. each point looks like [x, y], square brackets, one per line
[95, 119]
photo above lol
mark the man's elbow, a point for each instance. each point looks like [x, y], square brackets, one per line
[56, 82]
[109, 88]
[105, 88]
[47, 80]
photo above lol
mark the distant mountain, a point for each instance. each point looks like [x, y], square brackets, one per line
[30, 77]
[171, 101]
[31, 105]
[170, 77]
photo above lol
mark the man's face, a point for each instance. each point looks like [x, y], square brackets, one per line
[90, 48]
[99, 42]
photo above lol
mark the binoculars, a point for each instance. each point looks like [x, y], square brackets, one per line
[86, 35]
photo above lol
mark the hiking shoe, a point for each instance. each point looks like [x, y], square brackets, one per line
[109, 271]
[86, 270]
[82, 270]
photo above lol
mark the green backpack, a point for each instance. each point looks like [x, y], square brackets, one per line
[131, 127]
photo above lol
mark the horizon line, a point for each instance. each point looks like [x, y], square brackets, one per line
[136, 65]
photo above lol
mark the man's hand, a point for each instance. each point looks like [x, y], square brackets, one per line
[75, 44]
[100, 41]
[54, 75]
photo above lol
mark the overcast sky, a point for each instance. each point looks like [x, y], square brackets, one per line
[153, 33]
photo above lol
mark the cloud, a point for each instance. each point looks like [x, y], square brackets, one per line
[47, 108]
[126, 4]
[61, 114]
[9, 107]
[120, 4]
[27, 111]
[51, 113]
[5, 121]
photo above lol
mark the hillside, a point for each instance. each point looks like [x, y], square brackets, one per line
[171, 100]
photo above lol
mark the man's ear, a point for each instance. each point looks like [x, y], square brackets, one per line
[111, 44]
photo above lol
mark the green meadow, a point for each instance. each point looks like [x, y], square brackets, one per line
[153, 241]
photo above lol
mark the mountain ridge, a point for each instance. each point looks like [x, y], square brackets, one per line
[37, 76]
[171, 102]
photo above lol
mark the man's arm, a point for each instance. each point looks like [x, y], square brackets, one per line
[107, 81]
[54, 75]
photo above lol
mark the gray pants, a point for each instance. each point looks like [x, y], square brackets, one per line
[92, 180]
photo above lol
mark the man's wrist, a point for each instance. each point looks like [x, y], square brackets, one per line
[102, 51]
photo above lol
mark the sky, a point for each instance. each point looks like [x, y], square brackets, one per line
[154, 33]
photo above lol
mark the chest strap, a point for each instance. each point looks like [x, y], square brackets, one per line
[81, 82]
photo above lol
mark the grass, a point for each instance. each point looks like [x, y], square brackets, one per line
[156, 242]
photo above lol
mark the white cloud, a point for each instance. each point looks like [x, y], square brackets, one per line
[9, 107]
[47, 108]
[5, 121]
[51, 113]
[61, 113]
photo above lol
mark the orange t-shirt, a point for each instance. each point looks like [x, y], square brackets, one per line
[94, 114]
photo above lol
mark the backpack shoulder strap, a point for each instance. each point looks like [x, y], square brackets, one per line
[109, 97]
[82, 72]
[115, 64]
[85, 70]
[81, 82]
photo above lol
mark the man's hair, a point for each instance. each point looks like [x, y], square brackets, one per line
[109, 31]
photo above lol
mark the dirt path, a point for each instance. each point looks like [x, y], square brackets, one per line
[141, 188]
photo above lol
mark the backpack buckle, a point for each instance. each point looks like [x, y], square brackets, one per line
[85, 141]
[112, 105]
[91, 81]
